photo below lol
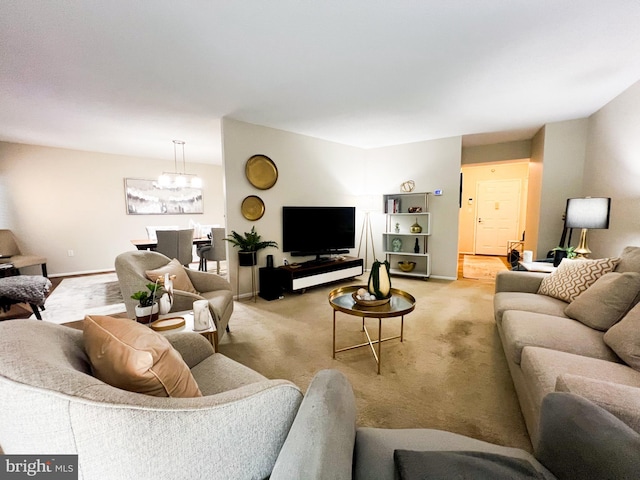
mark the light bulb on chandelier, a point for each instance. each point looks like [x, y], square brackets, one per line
[177, 179]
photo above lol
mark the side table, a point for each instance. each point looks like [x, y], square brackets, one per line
[401, 304]
[210, 334]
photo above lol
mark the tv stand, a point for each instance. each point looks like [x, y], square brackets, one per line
[309, 274]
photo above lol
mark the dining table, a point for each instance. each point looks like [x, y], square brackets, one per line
[149, 244]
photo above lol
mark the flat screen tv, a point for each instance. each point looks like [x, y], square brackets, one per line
[318, 230]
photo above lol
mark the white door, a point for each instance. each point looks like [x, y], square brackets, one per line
[498, 215]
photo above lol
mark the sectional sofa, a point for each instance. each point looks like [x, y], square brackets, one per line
[576, 330]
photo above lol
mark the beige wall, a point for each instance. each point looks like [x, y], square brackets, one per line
[562, 174]
[472, 174]
[57, 200]
[310, 172]
[318, 172]
[612, 169]
[496, 152]
[534, 193]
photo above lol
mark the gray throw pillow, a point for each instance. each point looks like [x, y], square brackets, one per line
[606, 301]
[579, 439]
[412, 465]
[624, 338]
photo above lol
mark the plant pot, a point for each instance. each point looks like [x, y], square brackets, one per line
[558, 255]
[247, 259]
[147, 314]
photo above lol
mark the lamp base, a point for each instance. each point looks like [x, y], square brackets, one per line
[582, 250]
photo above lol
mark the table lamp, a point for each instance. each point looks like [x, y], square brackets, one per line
[586, 213]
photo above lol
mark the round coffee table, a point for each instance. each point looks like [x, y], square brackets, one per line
[341, 300]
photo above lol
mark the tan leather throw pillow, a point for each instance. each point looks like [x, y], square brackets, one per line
[181, 280]
[131, 356]
[574, 276]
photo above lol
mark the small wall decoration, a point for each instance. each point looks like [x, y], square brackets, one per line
[146, 197]
[407, 186]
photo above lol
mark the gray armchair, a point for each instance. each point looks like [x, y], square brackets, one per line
[51, 404]
[131, 267]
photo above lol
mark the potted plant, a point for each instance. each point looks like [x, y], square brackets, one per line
[147, 308]
[249, 244]
[562, 252]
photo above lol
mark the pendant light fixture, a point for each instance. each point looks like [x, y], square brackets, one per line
[177, 179]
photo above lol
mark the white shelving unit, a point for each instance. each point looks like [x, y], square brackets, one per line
[398, 241]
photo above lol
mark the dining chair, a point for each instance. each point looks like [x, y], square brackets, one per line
[176, 244]
[216, 252]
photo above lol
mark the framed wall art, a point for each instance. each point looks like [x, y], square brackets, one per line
[146, 197]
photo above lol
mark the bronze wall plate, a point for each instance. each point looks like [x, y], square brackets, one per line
[252, 208]
[261, 172]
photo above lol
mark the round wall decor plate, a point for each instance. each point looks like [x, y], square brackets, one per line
[261, 172]
[252, 208]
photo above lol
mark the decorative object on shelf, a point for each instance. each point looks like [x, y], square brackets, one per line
[261, 172]
[396, 244]
[397, 227]
[379, 280]
[406, 266]
[415, 209]
[147, 308]
[252, 208]
[249, 244]
[408, 186]
[177, 179]
[366, 299]
[416, 228]
[416, 247]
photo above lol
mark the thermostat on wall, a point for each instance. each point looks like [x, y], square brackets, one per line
[437, 192]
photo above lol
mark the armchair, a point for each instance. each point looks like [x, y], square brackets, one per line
[131, 267]
[51, 404]
[10, 253]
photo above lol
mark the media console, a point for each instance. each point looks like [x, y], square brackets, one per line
[310, 274]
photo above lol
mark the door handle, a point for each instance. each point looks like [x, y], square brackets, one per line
[479, 220]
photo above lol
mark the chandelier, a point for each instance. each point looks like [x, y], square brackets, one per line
[179, 179]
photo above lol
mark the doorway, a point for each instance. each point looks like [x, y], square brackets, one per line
[493, 206]
[497, 215]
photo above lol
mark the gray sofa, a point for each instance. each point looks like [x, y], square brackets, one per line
[248, 427]
[553, 345]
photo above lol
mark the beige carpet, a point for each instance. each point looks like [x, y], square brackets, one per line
[481, 267]
[450, 372]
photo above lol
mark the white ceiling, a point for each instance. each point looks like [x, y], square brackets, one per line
[127, 77]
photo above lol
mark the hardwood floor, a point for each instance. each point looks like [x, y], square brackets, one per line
[502, 258]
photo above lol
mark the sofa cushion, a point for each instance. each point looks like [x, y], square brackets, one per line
[527, 302]
[606, 301]
[623, 401]
[624, 338]
[413, 465]
[629, 260]
[574, 276]
[521, 329]
[541, 368]
[131, 356]
[173, 268]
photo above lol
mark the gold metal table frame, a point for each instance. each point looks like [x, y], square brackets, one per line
[401, 304]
